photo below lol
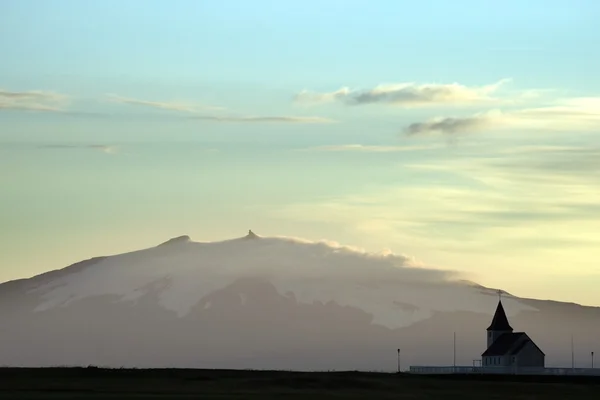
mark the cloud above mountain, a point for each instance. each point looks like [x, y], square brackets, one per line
[407, 94]
[530, 199]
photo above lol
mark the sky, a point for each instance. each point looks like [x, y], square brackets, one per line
[463, 134]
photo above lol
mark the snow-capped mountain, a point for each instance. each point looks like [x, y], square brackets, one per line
[258, 302]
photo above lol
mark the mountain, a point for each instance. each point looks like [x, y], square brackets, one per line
[268, 302]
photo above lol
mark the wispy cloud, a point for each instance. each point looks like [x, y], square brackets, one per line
[580, 114]
[537, 149]
[573, 114]
[199, 112]
[478, 204]
[109, 149]
[370, 148]
[408, 94]
[164, 105]
[34, 100]
[452, 125]
[266, 119]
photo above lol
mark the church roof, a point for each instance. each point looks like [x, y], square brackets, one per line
[507, 343]
[500, 321]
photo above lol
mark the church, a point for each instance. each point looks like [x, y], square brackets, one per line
[506, 348]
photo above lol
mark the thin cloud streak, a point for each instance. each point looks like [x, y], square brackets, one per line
[171, 106]
[370, 148]
[581, 114]
[99, 147]
[195, 110]
[267, 119]
[449, 125]
[34, 100]
[408, 94]
[510, 198]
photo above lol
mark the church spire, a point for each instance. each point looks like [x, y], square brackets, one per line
[500, 321]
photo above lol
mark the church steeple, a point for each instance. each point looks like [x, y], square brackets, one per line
[499, 325]
[500, 321]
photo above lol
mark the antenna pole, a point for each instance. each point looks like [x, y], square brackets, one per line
[454, 354]
[398, 360]
[572, 353]
[592, 360]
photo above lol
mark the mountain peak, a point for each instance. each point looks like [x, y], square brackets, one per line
[179, 239]
[251, 235]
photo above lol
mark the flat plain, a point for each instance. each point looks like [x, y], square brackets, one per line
[97, 383]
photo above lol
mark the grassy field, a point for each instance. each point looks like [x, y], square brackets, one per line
[95, 383]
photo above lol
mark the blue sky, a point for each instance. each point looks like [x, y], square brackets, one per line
[461, 133]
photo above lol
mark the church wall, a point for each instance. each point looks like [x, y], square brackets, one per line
[495, 361]
[530, 356]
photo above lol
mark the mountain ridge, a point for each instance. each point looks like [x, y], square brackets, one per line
[275, 302]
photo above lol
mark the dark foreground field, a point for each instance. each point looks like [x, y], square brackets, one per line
[94, 383]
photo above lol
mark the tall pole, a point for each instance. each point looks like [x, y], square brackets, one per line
[454, 354]
[398, 360]
[572, 354]
[592, 359]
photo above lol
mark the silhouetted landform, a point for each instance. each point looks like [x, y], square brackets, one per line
[179, 239]
[88, 383]
[268, 303]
